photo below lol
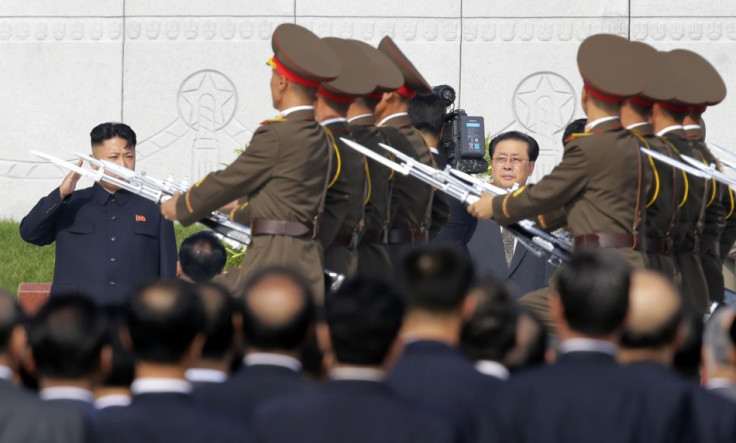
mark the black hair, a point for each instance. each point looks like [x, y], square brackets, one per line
[123, 364]
[364, 317]
[163, 318]
[288, 335]
[435, 277]
[677, 116]
[643, 111]
[531, 143]
[106, 131]
[533, 352]
[11, 316]
[427, 113]
[612, 108]
[688, 356]
[491, 331]
[66, 336]
[594, 290]
[219, 307]
[202, 256]
[574, 127]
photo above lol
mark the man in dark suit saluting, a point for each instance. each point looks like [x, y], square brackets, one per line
[108, 241]
[495, 250]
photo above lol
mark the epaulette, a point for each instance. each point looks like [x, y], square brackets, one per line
[576, 135]
[273, 120]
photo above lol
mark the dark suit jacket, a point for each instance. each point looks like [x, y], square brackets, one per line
[348, 411]
[587, 397]
[527, 271]
[438, 378]
[249, 387]
[165, 418]
[104, 249]
[25, 418]
[708, 417]
[728, 392]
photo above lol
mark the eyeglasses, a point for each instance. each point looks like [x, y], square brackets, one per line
[515, 161]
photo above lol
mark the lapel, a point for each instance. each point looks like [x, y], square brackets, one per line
[494, 242]
[519, 253]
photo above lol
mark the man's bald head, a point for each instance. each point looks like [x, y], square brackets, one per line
[278, 310]
[655, 311]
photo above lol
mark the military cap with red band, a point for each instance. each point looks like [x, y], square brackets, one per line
[708, 85]
[414, 83]
[609, 71]
[355, 80]
[384, 72]
[301, 57]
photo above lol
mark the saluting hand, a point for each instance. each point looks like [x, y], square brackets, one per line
[69, 183]
[483, 208]
[168, 208]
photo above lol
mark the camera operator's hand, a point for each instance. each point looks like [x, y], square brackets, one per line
[483, 208]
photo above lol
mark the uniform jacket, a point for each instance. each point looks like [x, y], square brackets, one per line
[411, 198]
[596, 182]
[373, 258]
[280, 176]
[106, 244]
[344, 202]
[526, 273]
[357, 411]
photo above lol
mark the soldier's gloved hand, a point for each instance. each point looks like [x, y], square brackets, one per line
[69, 183]
[168, 208]
[483, 208]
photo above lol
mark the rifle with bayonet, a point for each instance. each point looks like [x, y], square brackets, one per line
[156, 190]
[468, 190]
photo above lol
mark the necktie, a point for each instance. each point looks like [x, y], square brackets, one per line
[508, 245]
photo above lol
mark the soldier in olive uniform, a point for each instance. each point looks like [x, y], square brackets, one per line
[417, 211]
[373, 257]
[601, 181]
[668, 114]
[704, 77]
[282, 177]
[343, 218]
[667, 191]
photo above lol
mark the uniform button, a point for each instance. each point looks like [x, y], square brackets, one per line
[112, 259]
[113, 217]
[113, 238]
[112, 283]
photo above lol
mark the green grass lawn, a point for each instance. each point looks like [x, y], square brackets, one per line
[24, 262]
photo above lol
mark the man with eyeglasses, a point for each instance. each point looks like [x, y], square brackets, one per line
[493, 249]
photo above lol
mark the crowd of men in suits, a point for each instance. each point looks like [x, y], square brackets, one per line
[442, 355]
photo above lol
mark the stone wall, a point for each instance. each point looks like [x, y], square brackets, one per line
[190, 76]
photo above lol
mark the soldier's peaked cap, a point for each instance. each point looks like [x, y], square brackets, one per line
[708, 83]
[385, 73]
[355, 80]
[300, 56]
[661, 79]
[609, 70]
[414, 83]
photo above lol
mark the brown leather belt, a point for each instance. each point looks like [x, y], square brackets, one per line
[280, 227]
[349, 241]
[687, 245]
[373, 236]
[609, 240]
[412, 236]
[658, 245]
